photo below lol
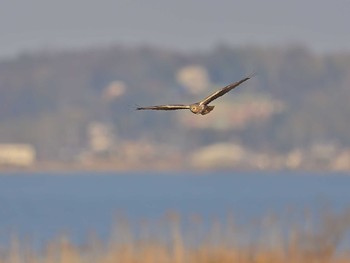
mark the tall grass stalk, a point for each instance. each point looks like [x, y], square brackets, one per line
[169, 240]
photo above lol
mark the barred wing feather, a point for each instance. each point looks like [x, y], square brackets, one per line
[165, 107]
[222, 91]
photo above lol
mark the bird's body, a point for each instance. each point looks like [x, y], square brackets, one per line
[202, 106]
[203, 109]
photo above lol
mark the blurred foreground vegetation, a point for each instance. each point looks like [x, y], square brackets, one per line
[272, 239]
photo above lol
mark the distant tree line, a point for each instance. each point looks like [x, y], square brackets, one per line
[49, 99]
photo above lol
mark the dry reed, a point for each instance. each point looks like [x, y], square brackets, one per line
[168, 241]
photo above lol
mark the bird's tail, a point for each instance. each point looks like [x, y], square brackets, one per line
[208, 109]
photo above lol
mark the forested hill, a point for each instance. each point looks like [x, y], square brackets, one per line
[49, 99]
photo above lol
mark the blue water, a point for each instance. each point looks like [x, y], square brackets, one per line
[42, 206]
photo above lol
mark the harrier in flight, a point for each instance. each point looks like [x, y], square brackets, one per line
[202, 106]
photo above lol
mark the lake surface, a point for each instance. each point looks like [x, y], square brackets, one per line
[41, 206]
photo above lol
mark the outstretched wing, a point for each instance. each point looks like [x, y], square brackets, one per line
[165, 107]
[223, 91]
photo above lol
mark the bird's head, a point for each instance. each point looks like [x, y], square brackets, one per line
[195, 108]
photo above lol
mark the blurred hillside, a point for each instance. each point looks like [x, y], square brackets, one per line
[79, 106]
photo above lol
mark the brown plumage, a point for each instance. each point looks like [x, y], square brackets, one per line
[202, 106]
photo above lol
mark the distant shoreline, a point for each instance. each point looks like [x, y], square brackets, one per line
[71, 167]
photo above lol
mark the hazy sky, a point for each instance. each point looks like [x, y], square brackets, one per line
[322, 25]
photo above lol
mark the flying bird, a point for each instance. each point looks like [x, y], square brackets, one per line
[202, 106]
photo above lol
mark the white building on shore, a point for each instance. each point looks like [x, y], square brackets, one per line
[20, 155]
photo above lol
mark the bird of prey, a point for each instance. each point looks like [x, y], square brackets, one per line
[202, 106]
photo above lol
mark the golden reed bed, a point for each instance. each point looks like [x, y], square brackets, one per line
[165, 241]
